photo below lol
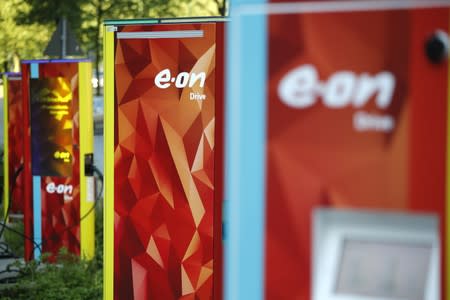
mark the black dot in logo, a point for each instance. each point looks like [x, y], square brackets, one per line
[173, 79]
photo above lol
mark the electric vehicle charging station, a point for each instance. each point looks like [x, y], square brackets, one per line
[337, 153]
[58, 157]
[163, 158]
[13, 147]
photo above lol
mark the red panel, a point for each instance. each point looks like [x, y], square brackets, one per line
[428, 124]
[165, 172]
[219, 162]
[321, 155]
[27, 178]
[60, 215]
[15, 142]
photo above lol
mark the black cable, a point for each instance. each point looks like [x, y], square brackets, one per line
[39, 245]
[18, 273]
[12, 186]
[36, 245]
[6, 251]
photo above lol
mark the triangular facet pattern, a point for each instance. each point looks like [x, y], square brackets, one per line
[164, 167]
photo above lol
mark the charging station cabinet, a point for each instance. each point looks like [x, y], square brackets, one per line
[163, 158]
[337, 153]
[13, 201]
[58, 156]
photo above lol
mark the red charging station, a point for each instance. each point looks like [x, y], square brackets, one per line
[337, 157]
[13, 147]
[163, 158]
[58, 157]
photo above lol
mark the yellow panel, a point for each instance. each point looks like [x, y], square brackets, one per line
[87, 198]
[5, 148]
[108, 231]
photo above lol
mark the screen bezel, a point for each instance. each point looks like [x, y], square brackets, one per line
[332, 228]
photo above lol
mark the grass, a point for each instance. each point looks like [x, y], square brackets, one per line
[68, 278]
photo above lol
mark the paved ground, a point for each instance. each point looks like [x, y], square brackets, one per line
[4, 263]
[3, 269]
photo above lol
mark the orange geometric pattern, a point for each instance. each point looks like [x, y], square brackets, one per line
[164, 167]
[316, 158]
[15, 141]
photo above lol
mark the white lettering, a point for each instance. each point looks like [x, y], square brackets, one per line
[68, 189]
[52, 188]
[196, 77]
[367, 86]
[363, 121]
[197, 96]
[339, 89]
[297, 89]
[301, 87]
[60, 189]
[164, 79]
[182, 80]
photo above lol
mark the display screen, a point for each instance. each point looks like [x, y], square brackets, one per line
[384, 269]
[51, 126]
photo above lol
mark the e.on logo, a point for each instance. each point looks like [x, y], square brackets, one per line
[164, 79]
[52, 188]
[301, 87]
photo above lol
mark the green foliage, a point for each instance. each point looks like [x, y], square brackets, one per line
[15, 241]
[86, 16]
[28, 24]
[68, 278]
[50, 11]
[19, 41]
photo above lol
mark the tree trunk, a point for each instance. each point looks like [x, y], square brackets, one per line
[222, 7]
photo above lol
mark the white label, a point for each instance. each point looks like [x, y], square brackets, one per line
[111, 28]
[90, 189]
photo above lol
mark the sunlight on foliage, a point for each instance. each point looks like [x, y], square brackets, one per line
[19, 41]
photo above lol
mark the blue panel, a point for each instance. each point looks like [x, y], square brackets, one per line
[245, 156]
[37, 211]
[34, 70]
[235, 3]
[68, 60]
